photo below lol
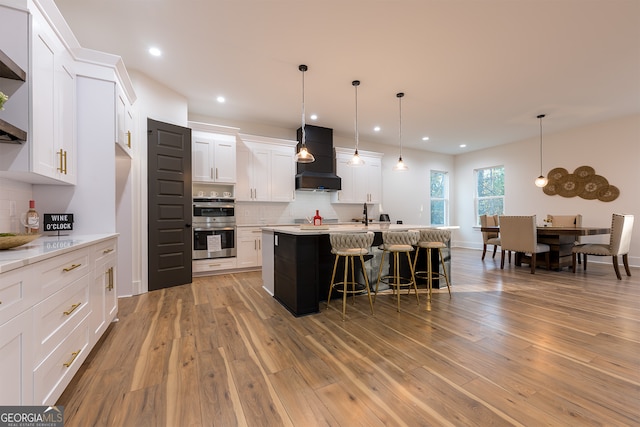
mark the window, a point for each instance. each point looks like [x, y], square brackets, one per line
[489, 192]
[439, 198]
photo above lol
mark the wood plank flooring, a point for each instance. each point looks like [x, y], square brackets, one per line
[507, 349]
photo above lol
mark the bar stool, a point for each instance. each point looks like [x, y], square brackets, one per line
[432, 239]
[348, 246]
[397, 242]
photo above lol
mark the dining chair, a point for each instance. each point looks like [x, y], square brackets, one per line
[567, 221]
[489, 237]
[519, 234]
[619, 242]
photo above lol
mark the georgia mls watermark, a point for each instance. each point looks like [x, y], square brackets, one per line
[31, 416]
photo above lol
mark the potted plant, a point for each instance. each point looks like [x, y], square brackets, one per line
[3, 98]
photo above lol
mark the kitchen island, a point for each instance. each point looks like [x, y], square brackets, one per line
[297, 262]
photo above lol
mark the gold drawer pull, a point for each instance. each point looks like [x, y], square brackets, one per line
[73, 267]
[73, 357]
[106, 251]
[73, 308]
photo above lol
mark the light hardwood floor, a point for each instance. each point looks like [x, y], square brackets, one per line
[508, 348]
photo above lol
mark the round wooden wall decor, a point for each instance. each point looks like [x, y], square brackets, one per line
[583, 182]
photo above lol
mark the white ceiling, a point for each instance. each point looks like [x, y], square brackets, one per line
[476, 72]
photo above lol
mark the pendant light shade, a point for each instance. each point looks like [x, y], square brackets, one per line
[541, 181]
[303, 155]
[401, 165]
[356, 160]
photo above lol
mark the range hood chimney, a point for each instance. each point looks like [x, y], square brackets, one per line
[319, 175]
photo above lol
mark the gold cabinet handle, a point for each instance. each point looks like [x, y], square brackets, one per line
[129, 138]
[73, 267]
[73, 358]
[106, 251]
[109, 274]
[73, 308]
[60, 169]
[63, 161]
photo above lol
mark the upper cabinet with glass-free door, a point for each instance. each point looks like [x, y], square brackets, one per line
[266, 169]
[51, 139]
[362, 184]
[214, 153]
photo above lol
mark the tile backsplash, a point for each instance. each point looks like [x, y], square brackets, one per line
[14, 201]
[305, 205]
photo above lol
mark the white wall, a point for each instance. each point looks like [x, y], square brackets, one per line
[612, 148]
[14, 201]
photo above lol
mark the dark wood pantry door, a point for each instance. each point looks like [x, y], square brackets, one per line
[170, 203]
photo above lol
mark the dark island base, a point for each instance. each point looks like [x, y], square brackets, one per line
[303, 265]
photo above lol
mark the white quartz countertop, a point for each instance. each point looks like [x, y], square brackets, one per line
[348, 228]
[46, 247]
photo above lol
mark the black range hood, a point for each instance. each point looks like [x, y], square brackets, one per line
[321, 174]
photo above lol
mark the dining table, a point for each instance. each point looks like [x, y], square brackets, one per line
[560, 240]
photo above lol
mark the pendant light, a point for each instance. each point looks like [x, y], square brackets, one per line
[541, 181]
[400, 166]
[303, 155]
[356, 160]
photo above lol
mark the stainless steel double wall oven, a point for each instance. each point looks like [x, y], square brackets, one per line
[214, 228]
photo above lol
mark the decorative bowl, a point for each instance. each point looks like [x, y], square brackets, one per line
[12, 240]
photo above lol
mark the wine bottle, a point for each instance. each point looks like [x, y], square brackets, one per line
[32, 222]
[317, 219]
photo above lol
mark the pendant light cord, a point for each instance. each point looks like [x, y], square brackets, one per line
[541, 116]
[400, 95]
[303, 113]
[356, 83]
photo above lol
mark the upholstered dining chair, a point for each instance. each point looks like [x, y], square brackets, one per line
[489, 237]
[619, 242]
[519, 234]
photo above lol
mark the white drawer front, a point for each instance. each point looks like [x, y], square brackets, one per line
[56, 316]
[105, 250]
[52, 376]
[204, 265]
[17, 293]
[53, 274]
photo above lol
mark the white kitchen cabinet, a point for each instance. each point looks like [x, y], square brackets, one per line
[361, 184]
[249, 247]
[265, 169]
[52, 136]
[103, 295]
[17, 295]
[16, 354]
[214, 157]
[124, 122]
[49, 154]
[48, 312]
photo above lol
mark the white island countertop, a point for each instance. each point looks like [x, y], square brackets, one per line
[349, 228]
[46, 247]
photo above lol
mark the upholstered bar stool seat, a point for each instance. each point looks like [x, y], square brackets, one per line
[432, 239]
[396, 243]
[348, 246]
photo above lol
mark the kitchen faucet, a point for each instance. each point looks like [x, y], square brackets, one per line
[366, 215]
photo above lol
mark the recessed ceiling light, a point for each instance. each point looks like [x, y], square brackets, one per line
[155, 51]
[376, 129]
[220, 99]
[425, 138]
[314, 117]
[463, 145]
